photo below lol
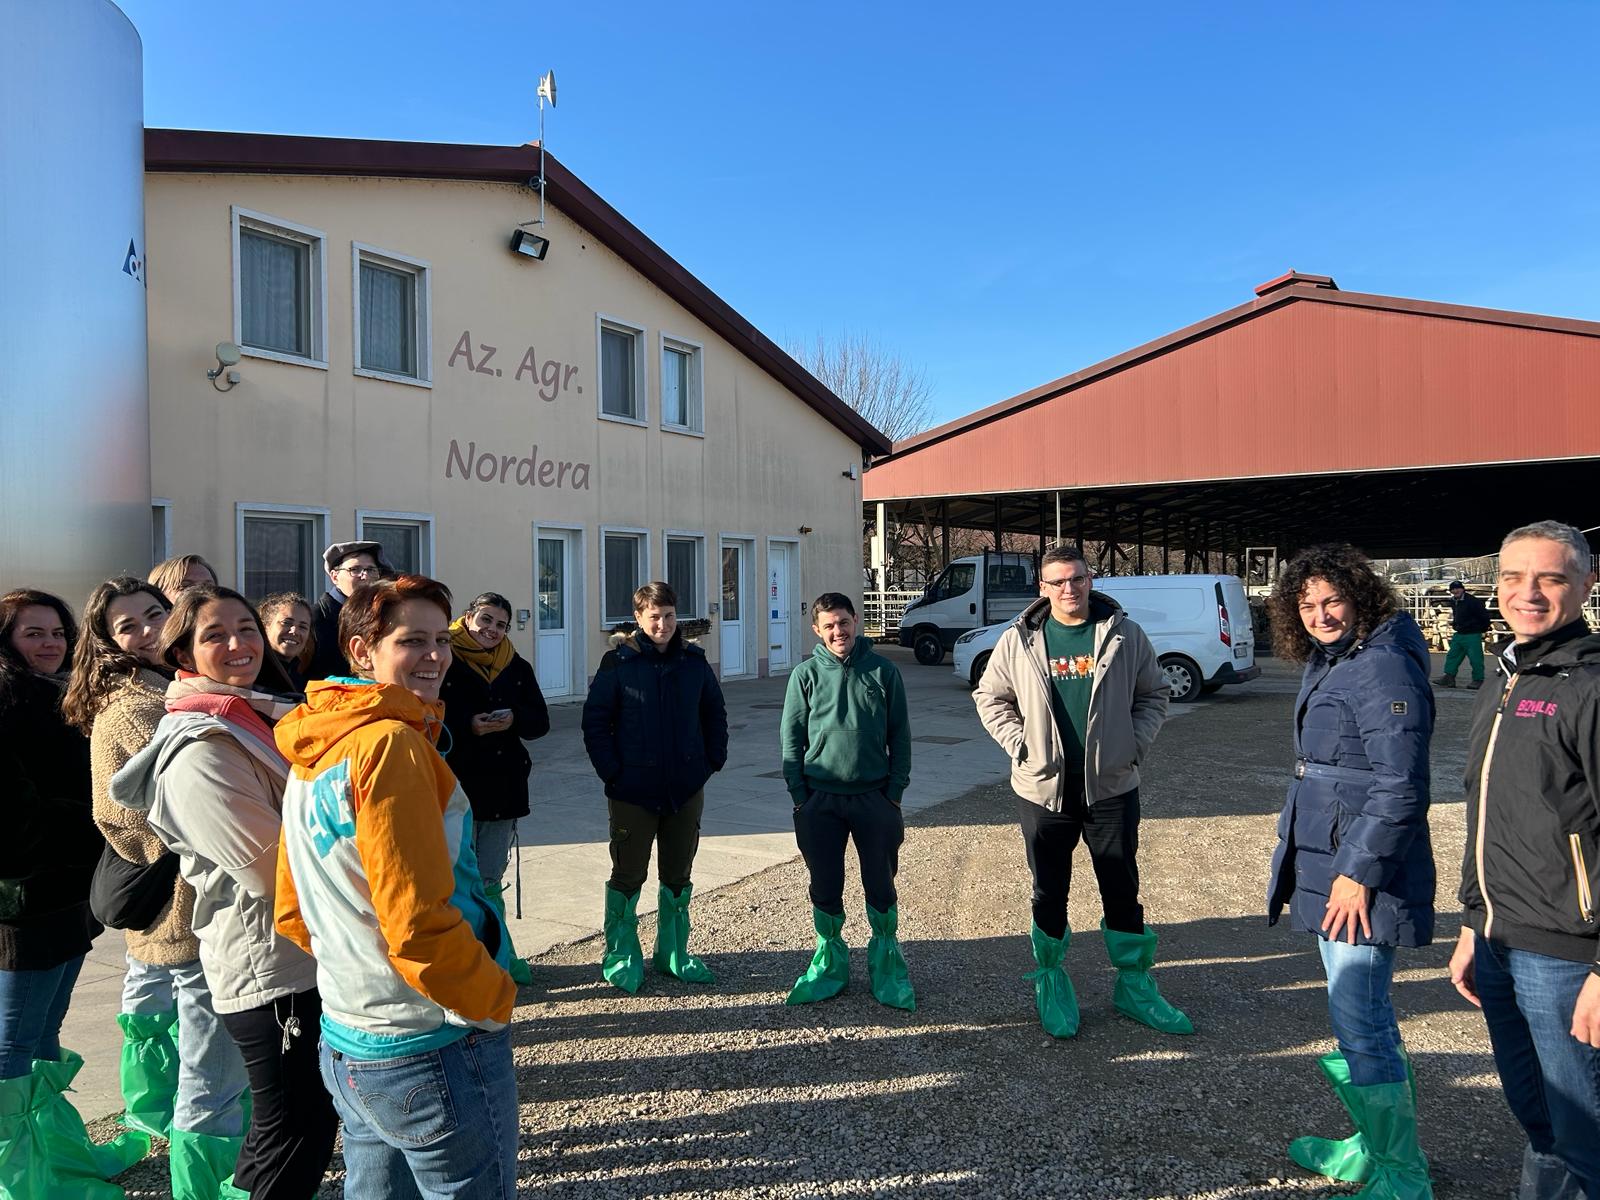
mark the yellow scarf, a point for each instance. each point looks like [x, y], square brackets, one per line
[487, 663]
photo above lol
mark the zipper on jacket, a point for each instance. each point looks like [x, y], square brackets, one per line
[1585, 898]
[1483, 805]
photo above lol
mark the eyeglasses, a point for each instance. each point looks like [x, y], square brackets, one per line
[1066, 581]
[360, 572]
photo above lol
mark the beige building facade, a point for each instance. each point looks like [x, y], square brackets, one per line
[558, 430]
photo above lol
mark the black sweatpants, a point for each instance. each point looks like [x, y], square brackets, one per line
[1111, 828]
[822, 826]
[676, 836]
[292, 1122]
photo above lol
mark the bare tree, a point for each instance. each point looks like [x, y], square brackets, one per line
[878, 383]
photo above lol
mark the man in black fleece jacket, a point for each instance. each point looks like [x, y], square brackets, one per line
[1528, 947]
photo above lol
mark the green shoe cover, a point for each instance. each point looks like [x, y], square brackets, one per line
[672, 938]
[830, 965]
[1386, 1115]
[202, 1166]
[1136, 994]
[1053, 994]
[623, 964]
[891, 982]
[1343, 1159]
[45, 1150]
[149, 1070]
[520, 973]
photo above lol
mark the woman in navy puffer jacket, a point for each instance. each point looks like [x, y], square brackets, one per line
[1354, 861]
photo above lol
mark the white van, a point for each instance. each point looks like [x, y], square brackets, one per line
[1199, 625]
[981, 589]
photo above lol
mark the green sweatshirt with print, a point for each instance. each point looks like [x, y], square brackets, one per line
[845, 727]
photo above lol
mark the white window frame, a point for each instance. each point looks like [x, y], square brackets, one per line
[698, 537]
[696, 383]
[421, 272]
[319, 537]
[318, 322]
[641, 390]
[384, 516]
[163, 506]
[644, 539]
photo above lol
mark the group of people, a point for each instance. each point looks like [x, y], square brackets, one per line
[308, 811]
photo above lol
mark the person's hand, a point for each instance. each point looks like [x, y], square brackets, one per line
[1586, 1015]
[1348, 902]
[486, 723]
[1461, 972]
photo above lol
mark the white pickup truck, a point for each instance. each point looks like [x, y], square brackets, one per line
[970, 593]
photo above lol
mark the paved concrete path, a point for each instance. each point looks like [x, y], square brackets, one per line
[747, 827]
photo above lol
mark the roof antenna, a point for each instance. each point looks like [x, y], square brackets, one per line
[547, 91]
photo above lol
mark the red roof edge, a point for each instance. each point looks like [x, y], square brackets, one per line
[210, 151]
[1287, 293]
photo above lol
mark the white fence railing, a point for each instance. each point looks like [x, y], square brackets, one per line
[880, 611]
[1429, 605]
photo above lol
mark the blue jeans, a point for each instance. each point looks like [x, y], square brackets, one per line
[1360, 1012]
[32, 1006]
[1550, 1079]
[439, 1124]
[211, 1075]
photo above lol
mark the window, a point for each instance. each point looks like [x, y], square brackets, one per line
[391, 315]
[280, 289]
[681, 388]
[621, 351]
[957, 581]
[624, 564]
[279, 548]
[160, 530]
[406, 538]
[686, 572]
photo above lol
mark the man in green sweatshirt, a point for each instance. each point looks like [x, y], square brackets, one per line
[847, 759]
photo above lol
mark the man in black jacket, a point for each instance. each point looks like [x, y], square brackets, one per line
[349, 565]
[1527, 952]
[655, 728]
[1470, 618]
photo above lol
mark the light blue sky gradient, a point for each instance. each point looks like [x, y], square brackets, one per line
[1003, 193]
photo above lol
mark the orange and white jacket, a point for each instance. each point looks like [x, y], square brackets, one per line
[377, 877]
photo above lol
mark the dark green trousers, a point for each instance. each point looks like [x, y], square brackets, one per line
[1468, 646]
[634, 830]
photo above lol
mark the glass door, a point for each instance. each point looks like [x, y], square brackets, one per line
[734, 661]
[553, 567]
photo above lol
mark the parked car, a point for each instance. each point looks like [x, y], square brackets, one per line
[971, 592]
[1199, 624]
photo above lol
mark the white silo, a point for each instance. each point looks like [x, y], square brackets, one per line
[74, 386]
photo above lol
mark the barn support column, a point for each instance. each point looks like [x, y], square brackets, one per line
[1041, 525]
[1139, 537]
[877, 548]
[944, 532]
[997, 523]
[1081, 550]
[1166, 543]
[1058, 515]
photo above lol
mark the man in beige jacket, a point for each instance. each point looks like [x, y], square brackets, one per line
[1074, 694]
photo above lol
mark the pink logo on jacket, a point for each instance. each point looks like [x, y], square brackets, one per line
[1536, 708]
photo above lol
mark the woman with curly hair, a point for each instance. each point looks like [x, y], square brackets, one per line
[1354, 862]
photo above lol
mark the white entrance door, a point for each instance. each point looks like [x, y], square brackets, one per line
[554, 570]
[734, 566]
[780, 573]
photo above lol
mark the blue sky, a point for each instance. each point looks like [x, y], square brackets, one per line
[1001, 193]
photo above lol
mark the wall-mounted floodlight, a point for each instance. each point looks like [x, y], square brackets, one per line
[851, 472]
[227, 357]
[530, 244]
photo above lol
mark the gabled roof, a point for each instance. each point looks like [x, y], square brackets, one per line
[1290, 288]
[193, 150]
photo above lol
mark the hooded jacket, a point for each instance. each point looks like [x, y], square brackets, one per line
[212, 792]
[654, 723]
[1127, 705]
[1358, 805]
[493, 768]
[845, 727]
[1532, 865]
[377, 877]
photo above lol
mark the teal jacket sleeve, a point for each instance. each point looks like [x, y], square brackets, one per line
[899, 737]
[794, 735]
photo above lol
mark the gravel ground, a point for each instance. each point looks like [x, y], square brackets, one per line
[724, 1092]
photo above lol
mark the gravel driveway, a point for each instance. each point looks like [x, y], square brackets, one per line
[724, 1092]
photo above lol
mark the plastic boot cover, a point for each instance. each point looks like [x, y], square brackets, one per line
[1386, 1115]
[521, 975]
[891, 982]
[1136, 994]
[202, 1166]
[623, 964]
[1345, 1159]
[1545, 1177]
[1053, 994]
[45, 1150]
[672, 938]
[830, 965]
[149, 1070]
